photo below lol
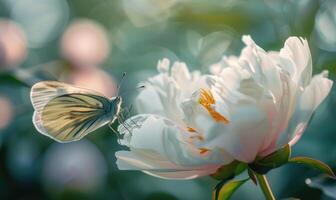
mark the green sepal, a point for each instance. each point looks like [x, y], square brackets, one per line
[229, 171]
[271, 161]
[252, 176]
[225, 189]
[316, 164]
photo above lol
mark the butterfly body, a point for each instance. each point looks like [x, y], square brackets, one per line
[67, 113]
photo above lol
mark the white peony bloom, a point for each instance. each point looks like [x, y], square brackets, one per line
[249, 106]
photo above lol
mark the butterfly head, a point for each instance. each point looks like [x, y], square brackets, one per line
[116, 108]
[118, 102]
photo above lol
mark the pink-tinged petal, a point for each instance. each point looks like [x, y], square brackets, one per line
[280, 113]
[311, 98]
[156, 166]
[182, 175]
[300, 128]
[242, 136]
[159, 145]
[295, 58]
[144, 160]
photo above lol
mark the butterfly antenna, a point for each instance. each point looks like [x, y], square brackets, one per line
[130, 109]
[131, 90]
[126, 112]
[122, 117]
[120, 83]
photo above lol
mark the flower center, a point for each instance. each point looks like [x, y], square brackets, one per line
[206, 99]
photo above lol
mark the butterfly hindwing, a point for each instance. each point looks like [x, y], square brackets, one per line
[67, 113]
[70, 117]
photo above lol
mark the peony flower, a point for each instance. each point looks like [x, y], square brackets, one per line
[248, 107]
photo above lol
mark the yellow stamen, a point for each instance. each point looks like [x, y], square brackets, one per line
[199, 137]
[191, 130]
[206, 99]
[203, 150]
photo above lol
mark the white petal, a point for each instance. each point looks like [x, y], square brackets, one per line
[295, 58]
[158, 167]
[163, 65]
[312, 96]
[157, 147]
[182, 175]
[248, 40]
[280, 112]
[316, 91]
[160, 135]
[227, 61]
[128, 160]
[180, 73]
[149, 101]
[216, 68]
[242, 137]
[263, 69]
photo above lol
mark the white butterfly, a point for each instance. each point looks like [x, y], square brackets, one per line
[66, 113]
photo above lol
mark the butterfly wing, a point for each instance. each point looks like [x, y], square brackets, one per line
[70, 117]
[66, 113]
[42, 92]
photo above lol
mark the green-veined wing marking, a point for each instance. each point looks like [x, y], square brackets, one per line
[71, 116]
[67, 113]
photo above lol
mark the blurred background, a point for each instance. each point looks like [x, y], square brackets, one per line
[90, 43]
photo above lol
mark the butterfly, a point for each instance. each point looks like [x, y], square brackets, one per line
[67, 113]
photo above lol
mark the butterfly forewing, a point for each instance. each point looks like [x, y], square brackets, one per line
[67, 113]
[44, 91]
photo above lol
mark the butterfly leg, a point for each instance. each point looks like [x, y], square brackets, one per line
[116, 132]
[129, 111]
[123, 124]
[131, 108]
[134, 123]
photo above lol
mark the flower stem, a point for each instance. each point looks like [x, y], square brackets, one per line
[265, 187]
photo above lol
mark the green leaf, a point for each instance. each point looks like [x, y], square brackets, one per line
[229, 171]
[224, 190]
[316, 164]
[274, 160]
